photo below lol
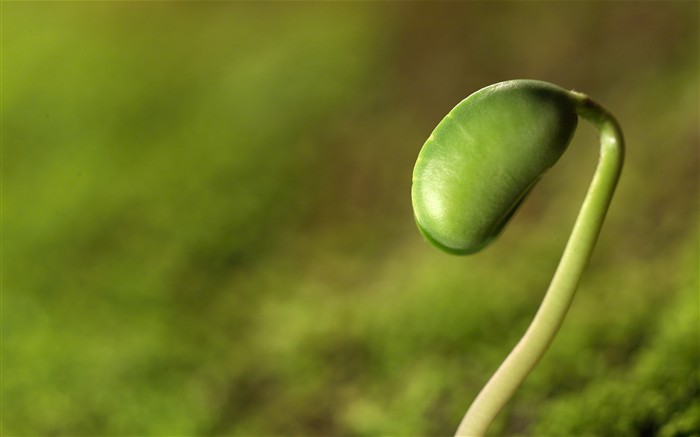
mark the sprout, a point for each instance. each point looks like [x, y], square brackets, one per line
[474, 172]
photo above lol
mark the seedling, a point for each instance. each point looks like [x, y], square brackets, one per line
[473, 173]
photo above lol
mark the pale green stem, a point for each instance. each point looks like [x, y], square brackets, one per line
[561, 290]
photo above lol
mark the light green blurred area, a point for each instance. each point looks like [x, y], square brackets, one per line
[207, 229]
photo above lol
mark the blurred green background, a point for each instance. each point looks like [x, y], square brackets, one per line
[207, 226]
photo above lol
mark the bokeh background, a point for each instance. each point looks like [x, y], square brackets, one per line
[207, 229]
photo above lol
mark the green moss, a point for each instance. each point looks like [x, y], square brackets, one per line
[180, 259]
[659, 395]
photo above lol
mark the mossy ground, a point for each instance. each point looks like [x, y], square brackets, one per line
[207, 226]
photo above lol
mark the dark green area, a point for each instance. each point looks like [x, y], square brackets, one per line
[207, 229]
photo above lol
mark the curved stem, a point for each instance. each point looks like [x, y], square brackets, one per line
[561, 290]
